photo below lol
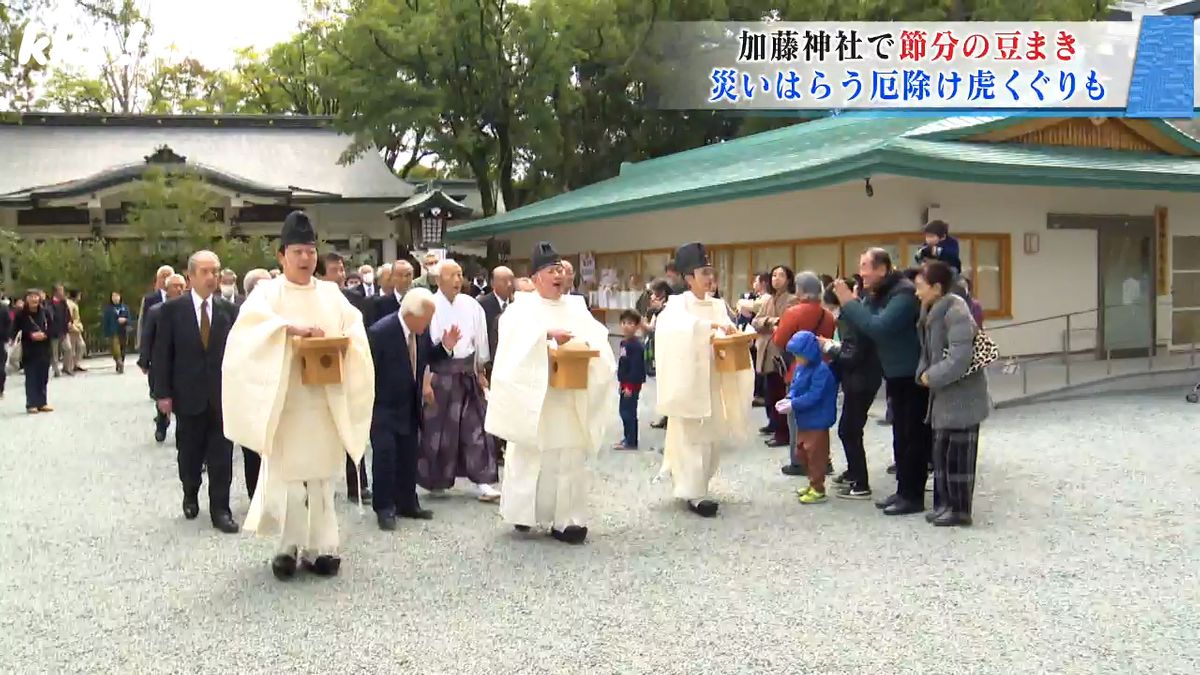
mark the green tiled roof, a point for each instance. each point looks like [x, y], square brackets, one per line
[837, 149]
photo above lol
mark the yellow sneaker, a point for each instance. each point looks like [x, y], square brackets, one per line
[812, 497]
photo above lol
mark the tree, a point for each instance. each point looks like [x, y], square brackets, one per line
[126, 49]
[173, 210]
[18, 80]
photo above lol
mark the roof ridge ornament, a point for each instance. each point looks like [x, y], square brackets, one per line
[165, 155]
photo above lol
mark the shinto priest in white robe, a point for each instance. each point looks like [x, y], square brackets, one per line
[551, 433]
[705, 409]
[303, 432]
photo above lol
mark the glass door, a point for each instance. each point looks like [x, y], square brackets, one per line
[1127, 295]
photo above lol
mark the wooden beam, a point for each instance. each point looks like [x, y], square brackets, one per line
[1154, 137]
[1015, 130]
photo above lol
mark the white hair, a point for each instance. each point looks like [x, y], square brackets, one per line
[253, 277]
[165, 269]
[417, 302]
[175, 276]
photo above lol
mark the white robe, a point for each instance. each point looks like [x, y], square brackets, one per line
[551, 433]
[466, 313]
[302, 432]
[705, 409]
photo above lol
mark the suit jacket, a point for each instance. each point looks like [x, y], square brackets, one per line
[491, 311]
[146, 338]
[180, 368]
[398, 399]
[149, 300]
[382, 306]
[365, 305]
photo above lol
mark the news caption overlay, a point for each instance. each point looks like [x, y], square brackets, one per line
[1140, 68]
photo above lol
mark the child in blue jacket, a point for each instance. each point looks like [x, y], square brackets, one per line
[812, 401]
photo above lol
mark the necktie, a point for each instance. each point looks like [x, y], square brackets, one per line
[412, 353]
[205, 326]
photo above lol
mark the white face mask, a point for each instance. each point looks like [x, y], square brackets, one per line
[228, 289]
[368, 278]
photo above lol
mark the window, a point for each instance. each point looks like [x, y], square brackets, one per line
[767, 257]
[624, 264]
[1185, 290]
[819, 258]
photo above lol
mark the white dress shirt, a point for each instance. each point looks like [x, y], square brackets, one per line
[196, 302]
[467, 314]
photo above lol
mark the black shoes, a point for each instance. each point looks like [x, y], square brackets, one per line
[950, 518]
[936, 513]
[775, 443]
[793, 470]
[387, 521]
[571, 534]
[854, 491]
[323, 566]
[225, 523]
[886, 501]
[160, 435]
[283, 566]
[366, 497]
[903, 507]
[891, 469]
[660, 424]
[705, 508]
[417, 514]
[521, 528]
[191, 508]
[766, 430]
[843, 479]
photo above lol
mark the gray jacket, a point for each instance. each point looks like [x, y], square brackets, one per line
[955, 401]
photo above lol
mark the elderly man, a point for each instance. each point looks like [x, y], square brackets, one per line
[189, 350]
[173, 287]
[494, 304]
[428, 278]
[154, 297]
[551, 432]
[251, 280]
[383, 277]
[402, 281]
[228, 287]
[401, 351]
[453, 443]
[524, 285]
[304, 440]
[569, 272]
[369, 287]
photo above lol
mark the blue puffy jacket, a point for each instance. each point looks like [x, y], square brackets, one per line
[814, 389]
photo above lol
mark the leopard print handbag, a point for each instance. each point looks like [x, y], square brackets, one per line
[984, 352]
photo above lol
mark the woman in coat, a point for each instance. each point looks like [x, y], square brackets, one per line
[769, 359]
[116, 323]
[958, 402]
[34, 325]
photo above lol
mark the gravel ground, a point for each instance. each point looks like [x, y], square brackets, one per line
[1082, 560]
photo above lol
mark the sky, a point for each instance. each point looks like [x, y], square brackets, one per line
[209, 30]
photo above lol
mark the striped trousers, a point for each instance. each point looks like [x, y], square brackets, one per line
[954, 455]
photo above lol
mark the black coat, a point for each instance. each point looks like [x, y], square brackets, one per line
[180, 368]
[6, 325]
[365, 306]
[398, 397]
[382, 306]
[491, 311]
[856, 362]
[60, 316]
[146, 339]
[28, 323]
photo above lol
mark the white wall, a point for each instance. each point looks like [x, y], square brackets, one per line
[1060, 278]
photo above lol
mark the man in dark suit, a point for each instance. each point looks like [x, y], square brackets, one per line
[401, 351]
[156, 296]
[173, 287]
[569, 275]
[479, 285]
[189, 346]
[494, 304]
[332, 267]
[402, 280]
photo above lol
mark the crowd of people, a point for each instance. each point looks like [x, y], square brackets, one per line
[445, 378]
